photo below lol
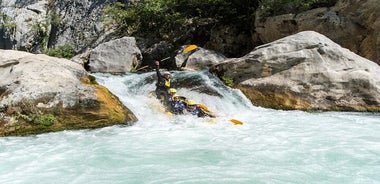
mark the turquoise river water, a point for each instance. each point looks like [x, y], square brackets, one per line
[272, 146]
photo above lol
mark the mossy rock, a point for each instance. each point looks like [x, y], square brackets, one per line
[275, 99]
[107, 110]
[270, 97]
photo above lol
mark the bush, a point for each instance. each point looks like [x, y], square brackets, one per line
[65, 51]
[228, 81]
[30, 113]
[45, 119]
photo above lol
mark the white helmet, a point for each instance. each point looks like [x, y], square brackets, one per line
[166, 73]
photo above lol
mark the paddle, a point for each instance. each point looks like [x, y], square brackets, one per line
[189, 48]
[206, 110]
[185, 50]
[236, 122]
[148, 65]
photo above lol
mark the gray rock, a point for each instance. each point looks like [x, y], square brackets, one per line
[353, 24]
[27, 17]
[306, 71]
[36, 76]
[198, 59]
[39, 93]
[77, 23]
[120, 55]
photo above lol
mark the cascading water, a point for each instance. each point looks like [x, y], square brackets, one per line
[134, 91]
[272, 146]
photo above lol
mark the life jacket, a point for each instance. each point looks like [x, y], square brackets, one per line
[194, 111]
[167, 83]
[177, 107]
[199, 112]
[164, 83]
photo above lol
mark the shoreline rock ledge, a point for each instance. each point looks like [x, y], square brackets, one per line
[39, 94]
[305, 71]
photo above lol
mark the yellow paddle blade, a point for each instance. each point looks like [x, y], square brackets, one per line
[189, 48]
[236, 122]
[168, 113]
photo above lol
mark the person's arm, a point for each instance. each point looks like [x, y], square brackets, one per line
[158, 69]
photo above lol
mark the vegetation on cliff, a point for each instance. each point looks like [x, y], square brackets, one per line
[167, 19]
[164, 18]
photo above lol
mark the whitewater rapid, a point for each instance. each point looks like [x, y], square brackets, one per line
[272, 146]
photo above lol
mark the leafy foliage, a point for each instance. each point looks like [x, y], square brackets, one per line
[164, 18]
[44, 119]
[228, 81]
[30, 113]
[65, 51]
[5, 24]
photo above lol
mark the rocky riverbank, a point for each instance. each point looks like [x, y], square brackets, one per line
[39, 94]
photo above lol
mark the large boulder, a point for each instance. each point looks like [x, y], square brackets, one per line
[305, 71]
[353, 24]
[39, 94]
[198, 59]
[116, 56]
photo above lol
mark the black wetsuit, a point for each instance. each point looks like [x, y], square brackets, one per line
[162, 86]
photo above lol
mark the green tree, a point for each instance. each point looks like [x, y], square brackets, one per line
[165, 18]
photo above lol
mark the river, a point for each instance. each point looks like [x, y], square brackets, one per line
[272, 146]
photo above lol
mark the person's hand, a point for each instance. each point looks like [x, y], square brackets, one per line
[157, 63]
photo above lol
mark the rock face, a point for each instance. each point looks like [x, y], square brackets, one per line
[365, 14]
[229, 40]
[47, 24]
[120, 55]
[354, 24]
[39, 94]
[305, 71]
[23, 15]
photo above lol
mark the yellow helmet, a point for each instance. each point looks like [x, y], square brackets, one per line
[172, 90]
[191, 102]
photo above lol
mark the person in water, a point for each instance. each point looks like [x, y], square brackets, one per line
[163, 84]
[176, 105]
[171, 93]
[168, 102]
[193, 109]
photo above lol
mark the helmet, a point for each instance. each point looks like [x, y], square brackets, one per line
[166, 73]
[191, 102]
[172, 90]
[175, 96]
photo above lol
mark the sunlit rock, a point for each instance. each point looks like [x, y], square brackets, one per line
[352, 24]
[305, 71]
[116, 56]
[40, 94]
[198, 59]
